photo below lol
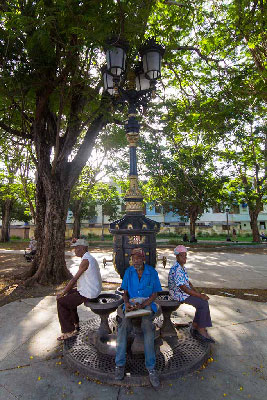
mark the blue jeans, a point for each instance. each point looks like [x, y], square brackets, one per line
[148, 329]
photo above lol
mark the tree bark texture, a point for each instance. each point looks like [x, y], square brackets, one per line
[6, 215]
[49, 264]
[254, 225]
[77, 218]
[102, 224]
[193, 214]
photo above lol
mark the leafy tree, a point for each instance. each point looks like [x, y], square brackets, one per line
[13, 174]
[108, 197]
[82, 202]
[50, 84]
[51, 95]
[186, 181]
[246, 154]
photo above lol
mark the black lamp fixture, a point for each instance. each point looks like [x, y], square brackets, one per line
[147, 71]
[116, 57]
[141, 81]
[152, 53]
[108, 82]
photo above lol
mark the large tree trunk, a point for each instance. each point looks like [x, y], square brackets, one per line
[56, 177]
[254, 225]
[6, 215]
[102, 224]
[77, 218]
[49, 264]
[193, 214]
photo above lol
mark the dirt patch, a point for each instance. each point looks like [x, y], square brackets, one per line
[210, 248]
[259, 295]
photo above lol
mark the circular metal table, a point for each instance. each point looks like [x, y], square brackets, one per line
[176, 356]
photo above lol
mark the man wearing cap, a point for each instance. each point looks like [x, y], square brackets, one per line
[89, 285]
[181, 289]
[141, 285]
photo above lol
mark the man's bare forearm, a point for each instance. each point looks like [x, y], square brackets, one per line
[125, 297]
[150, 300]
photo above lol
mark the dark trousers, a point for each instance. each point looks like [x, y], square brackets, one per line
[202, 315]
[67, 310]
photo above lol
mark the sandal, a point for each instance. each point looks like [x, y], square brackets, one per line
[67, 335]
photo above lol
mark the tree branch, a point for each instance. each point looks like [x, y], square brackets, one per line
[15, 132]
[192, 48]
[85, 149]
[175, 3]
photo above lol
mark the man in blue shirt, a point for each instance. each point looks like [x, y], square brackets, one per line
[141, 286]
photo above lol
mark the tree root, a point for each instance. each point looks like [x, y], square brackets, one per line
[43, 280]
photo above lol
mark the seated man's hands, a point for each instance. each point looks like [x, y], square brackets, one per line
[129, 307]
[133, 307]
[138, 306]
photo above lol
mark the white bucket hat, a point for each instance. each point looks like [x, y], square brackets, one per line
[80, 242]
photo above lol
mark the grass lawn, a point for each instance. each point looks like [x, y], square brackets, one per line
[172, 239]
[217, 238]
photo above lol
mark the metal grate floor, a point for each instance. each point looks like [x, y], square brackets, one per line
[175, 358]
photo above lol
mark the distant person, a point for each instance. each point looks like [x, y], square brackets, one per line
[193, 239]
[181, 289]
[185, 238]
[89, 285]
[33, 246]
[31, 250]
[263, 236]
[234, 235]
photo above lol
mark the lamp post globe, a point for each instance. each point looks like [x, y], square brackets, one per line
[152, 53]
[141, 81]
[116, 57]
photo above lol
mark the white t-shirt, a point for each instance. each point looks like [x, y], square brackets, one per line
[90, 282]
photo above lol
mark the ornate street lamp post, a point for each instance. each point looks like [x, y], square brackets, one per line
[134, 229]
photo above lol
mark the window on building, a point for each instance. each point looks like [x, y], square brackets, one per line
[217, 208]
[262, 225]
[225, 227]
[157, 209]
[235, 209]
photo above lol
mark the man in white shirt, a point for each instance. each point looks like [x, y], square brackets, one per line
[89, 285]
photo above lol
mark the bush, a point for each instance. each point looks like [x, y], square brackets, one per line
[168, 235]
[175, 242]
[15, 237]
[91, 236]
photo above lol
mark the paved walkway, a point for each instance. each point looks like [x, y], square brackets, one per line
[207, 269]
[32, 367]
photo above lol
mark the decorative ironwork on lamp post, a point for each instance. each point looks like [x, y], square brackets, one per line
[134, 229]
